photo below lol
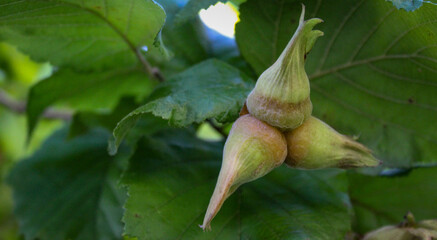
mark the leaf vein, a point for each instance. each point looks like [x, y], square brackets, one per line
[129, 16]
[402, 35]
[378, 95]
[423, 65]
[367, 37]
[12, 3]
[373, 118]
[424, 48]
[336, 33]
[402, 78]
[189, 225]
[29, 11]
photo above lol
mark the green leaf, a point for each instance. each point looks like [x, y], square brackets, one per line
[380, 201]
[192, 8]
[265, 29]
[68, 190]
[172, 176]
[188, 42]
[86, 92]
[372, 74]
[134, 128]
[86, 35]
[211, 89]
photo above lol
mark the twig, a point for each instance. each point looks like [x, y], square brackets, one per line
[152, 71]
[11, 104]
[20, 108]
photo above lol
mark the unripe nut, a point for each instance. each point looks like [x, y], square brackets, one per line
[281, 96]
[406, 230]
[316, 145]
[252, 150]
[389, 232]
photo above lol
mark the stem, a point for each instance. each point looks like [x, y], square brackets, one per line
[20, 108]
[152, 71]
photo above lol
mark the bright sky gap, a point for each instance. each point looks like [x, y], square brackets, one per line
[221, 18]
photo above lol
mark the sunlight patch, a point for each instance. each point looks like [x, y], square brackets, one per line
[221, 17]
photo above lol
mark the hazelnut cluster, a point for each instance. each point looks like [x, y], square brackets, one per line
[276, 126]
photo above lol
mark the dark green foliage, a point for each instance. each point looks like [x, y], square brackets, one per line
[69, 190]
[382, 201]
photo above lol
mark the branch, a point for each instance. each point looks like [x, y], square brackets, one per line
[20, 108]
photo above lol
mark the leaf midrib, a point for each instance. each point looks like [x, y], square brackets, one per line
[325, 55]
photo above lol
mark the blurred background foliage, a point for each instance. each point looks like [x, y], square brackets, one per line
[17, 73]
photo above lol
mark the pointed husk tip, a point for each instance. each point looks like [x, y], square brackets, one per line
[316, 145]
